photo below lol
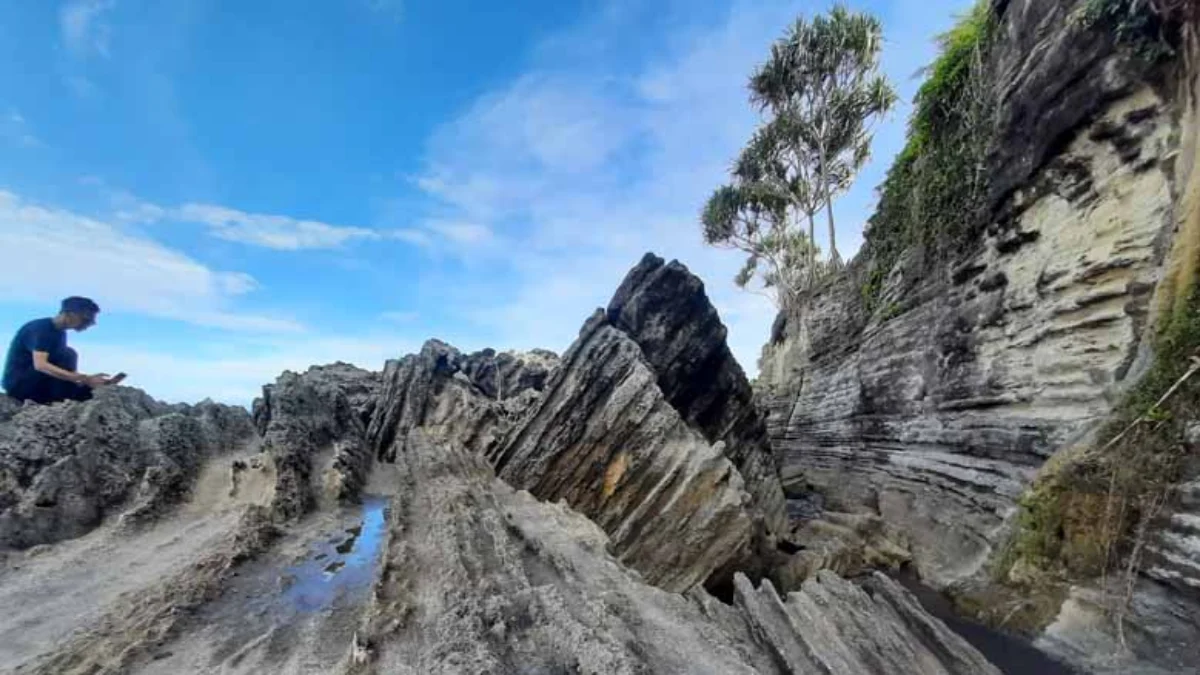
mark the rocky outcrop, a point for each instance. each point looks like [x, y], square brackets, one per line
[936, 405]
[663, 308]
[1052, 75]
[64, 467]
[469, 575]
[360, 387]
[849, 544]
[605, 439]
[315, 434]
[503, 375]
[1175, 551]
[471, 399]
[481, 578]
[937, 418]
[8, 407]
[834, 626]
[648, 427]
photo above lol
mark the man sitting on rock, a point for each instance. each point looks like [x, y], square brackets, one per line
[42, 368]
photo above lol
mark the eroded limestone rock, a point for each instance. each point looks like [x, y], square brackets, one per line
[64, 467]
[938, 418]
[605, 439]
[471, 399]
[481, 578]
[315, 434]
[663, 308]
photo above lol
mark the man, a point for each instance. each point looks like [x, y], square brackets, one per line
[42, 368]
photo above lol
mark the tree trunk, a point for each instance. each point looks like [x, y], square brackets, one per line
[812, 247]
[834, 259]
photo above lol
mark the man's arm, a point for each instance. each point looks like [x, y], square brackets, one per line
[41, 363]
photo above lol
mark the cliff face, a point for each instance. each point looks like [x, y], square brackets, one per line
[946, 410]
[937, 406]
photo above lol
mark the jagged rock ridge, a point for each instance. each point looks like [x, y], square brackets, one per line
[465, 573]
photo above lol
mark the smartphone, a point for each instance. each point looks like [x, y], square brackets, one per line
[116, 379]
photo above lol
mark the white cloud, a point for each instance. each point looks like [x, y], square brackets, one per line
[581, 164]
[270, 231]
[121, 270]
[463, 233]
[83, 27]
[15, 130]
[412, 236]
[281, 232]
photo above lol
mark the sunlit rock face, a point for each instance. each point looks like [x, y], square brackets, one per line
[935, 410]
[939, 416]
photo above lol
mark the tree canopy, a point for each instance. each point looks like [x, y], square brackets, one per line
[820, 88]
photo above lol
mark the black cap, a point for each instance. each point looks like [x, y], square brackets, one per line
[79, 305]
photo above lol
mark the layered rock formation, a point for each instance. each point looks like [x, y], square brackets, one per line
[480, 578]
[471, 399]
[649, 428]
[663, 308]
[63, 468]
[940, 416]
[935, 406]
[605, 439]
[466, 574]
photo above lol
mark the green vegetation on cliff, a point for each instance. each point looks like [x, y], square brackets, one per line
[933, 193]
[1145, 26]
[1092, 508]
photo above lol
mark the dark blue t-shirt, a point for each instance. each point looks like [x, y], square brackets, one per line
[39, 335]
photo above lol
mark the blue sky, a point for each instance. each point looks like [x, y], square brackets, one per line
[248, 187]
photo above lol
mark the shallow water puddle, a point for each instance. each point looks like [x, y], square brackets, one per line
[340, 565]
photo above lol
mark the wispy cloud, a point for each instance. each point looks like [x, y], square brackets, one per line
[594, 155]
[393, 10]
[120, 269]
[270, 231]
[287, 233]
[81, 86]
[15, 130]
[583, 167]
[460, 232]
[84, 30]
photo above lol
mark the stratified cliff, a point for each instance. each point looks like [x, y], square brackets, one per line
[931, 386]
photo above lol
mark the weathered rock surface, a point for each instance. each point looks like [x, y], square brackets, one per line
[471, 399]
[935, 409]
[849, 544]
[1175, 551]
[1159, 626]
[360, 387]
[471, 576]
[480, 578]
[663, 308]
[503, 375]
[938, 418]
[314, 431]
[64, 467]
[605, 439]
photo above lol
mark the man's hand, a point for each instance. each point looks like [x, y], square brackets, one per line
[97, 380]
